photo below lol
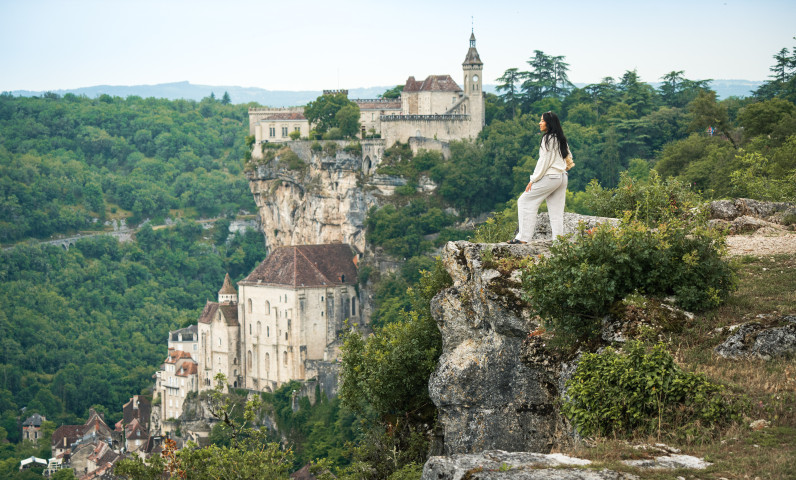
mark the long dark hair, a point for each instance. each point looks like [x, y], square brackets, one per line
[554, 130]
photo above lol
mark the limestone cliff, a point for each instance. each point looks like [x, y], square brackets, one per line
[309, 195]
[493, 388]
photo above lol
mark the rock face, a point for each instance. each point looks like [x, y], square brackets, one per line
[489, 391]
[767, 339]
[498, 465]
[323, 198]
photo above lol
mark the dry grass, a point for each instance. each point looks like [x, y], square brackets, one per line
[765, 390]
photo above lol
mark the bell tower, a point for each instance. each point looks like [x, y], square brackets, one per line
[473, 69]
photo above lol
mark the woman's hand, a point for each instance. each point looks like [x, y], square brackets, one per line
[528, 188]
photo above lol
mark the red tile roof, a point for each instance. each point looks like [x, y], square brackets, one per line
[175, 355]
[188, 368]
[306, 266]
[432, 83]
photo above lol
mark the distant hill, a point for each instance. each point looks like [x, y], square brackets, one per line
[286, 98]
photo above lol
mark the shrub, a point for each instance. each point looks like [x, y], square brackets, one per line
[651, 202]
[574, 287]
[330, 149]
[639, 391]
[316, 147]
[500, 227]
[353, 148]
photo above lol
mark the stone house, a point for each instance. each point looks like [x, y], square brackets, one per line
[31, 428]
[175, 379]
[219, 339]
[72, 443]
[185, 339]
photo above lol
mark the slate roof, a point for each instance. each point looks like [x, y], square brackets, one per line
[34, 420]
[227, 288]
[228, 310]
[472, 57]
[432, 83]
[306, 266]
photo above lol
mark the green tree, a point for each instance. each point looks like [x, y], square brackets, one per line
[322, 112]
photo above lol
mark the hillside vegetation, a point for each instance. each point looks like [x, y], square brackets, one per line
[87, 327]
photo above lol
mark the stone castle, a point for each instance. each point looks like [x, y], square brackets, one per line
[436, 108]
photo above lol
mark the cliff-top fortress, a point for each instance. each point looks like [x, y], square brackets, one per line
[435, 108]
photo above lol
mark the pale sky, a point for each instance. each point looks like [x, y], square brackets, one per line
[315, 45]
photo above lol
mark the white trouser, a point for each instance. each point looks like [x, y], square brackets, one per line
[553, 188]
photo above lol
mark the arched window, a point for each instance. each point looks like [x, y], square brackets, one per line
[353, 306]
[267, 361]
[249, 359]
[259, 328]
[250, 305]
[267, 331]
[284, 356]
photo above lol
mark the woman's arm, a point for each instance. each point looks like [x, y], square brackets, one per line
[546, 157]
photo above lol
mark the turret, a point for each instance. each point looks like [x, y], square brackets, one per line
[227, 294]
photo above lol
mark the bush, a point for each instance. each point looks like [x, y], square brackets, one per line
[576, 286]
[651, 202]
[639, 391]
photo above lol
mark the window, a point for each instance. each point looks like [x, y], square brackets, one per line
[249, 359]
[285, 336]
[250, 305]
[284, 131]
[267, 331]
[259, 328]
[267, 307]
[271, 131]
[284, 356]
[353, 306]
[267, 361]
[372, 117]
[297, 129]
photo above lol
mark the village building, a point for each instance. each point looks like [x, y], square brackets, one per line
[185, 339]
[31, 428]
[436, 108]
[219, 340]
[84, 448]
[175, 379]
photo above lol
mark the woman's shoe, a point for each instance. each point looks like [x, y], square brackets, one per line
[514, 241]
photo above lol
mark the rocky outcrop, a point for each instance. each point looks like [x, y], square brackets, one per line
[744, 215]
[499, 465]
[768, 338]
[490, 392]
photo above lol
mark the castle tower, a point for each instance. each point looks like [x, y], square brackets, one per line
[473, 69]
[227, 294]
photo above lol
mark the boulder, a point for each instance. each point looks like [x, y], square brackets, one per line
[766, 339]
[498, 465]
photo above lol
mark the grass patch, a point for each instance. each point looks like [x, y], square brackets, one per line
[766, 285]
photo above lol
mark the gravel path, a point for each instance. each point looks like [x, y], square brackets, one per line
[766, 241]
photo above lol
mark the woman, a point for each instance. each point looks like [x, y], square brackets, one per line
[548, 182]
